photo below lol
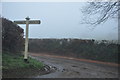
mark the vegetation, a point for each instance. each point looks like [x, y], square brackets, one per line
[13, 61]
[13, 43]
[13, 64]
[89, 49]
[12, 37]
[98, 12]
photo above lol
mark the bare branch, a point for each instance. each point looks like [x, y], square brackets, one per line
[99, 12]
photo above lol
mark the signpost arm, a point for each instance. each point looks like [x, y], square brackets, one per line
[27, 22]
[26, 40]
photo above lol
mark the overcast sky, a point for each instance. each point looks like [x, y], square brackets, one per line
[58, 20]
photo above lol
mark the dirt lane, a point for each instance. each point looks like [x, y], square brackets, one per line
[73, 68]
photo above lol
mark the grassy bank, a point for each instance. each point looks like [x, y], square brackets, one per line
[14, 66]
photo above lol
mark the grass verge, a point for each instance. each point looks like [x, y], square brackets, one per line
[13, 65]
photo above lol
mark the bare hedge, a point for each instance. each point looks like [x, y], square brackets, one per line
[12, 37]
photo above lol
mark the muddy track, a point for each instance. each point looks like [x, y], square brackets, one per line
[71, 68]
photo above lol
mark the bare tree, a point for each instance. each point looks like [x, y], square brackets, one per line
[98, 12]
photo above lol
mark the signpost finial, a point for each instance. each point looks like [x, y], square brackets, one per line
[27, 18]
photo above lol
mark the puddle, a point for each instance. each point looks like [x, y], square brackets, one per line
[74, 66]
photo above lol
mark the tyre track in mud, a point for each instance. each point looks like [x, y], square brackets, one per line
[75, 68]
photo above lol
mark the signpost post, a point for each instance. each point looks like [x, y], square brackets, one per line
[27, 22]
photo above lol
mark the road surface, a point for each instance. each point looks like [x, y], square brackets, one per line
[73, 68]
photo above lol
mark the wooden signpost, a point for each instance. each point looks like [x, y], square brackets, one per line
[27, 22]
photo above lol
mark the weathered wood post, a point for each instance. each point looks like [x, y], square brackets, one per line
[26, 40]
